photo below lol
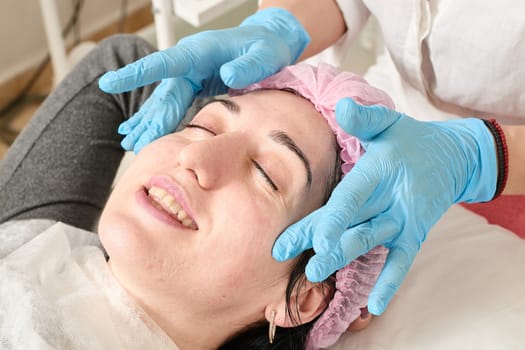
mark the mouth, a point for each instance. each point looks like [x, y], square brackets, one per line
[164, 201]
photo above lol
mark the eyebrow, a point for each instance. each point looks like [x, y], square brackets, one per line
[279, 137]
[284, 139]
[231, 106]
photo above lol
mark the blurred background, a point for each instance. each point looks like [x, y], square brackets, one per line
[32, 29]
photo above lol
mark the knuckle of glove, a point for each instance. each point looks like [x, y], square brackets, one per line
[346, 202]
[364, 235]
[269, 56]
[403, 270]
[333, 218]
[403, 259]
[193, 50]
[339, 259]
[391, 287]
[322, 266]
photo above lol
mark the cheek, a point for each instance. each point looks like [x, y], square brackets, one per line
[251, 225]
[119, 235]
[244, 274]
[125, 232]
[120, 223]
[241, 254]
[158, 154]
[146, 257]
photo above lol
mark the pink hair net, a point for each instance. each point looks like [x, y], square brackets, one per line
[324, 86]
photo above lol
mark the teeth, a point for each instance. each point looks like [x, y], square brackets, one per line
[181, 215]
[174, 207]
[187, 222]
[168, 203]
[157, 193]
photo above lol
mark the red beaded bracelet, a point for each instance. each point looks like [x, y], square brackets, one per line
[502, 153]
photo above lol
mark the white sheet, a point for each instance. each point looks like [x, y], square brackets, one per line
[466, 290]
[57, 292]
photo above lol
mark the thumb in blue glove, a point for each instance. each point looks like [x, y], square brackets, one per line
[410, 174]
[205, 64]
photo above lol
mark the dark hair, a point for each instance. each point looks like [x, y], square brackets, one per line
[255, 336]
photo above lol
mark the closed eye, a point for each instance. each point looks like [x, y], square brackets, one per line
[266, 176]
[201, 127]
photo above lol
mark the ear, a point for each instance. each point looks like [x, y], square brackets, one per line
[306, 304]
[361, 322]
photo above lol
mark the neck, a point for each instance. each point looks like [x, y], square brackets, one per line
[190, 326]
[196, 330]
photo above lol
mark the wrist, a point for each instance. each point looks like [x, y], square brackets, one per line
[480, 167]
[502, 155]
[514, 135]
[283, 24]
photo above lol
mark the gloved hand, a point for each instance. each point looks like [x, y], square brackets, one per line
[410, 174]
[205, 64]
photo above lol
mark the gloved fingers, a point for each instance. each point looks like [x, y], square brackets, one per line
[362, 238]
[353, 243]
[343, 206]
[294, 240]
[135, 126]
[373, 207]
[128, 143]
[164, 120]
[259, 62]
[179, 96]
[161, 112]
[320, 267]
[148, 136]
[396, 267]
[127, 126]
[364, 122]
[160, 65]
[212, 86]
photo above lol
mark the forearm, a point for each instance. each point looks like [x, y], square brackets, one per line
[322, 19]
[515, 138]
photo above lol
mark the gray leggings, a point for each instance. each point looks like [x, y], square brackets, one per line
[62, 165]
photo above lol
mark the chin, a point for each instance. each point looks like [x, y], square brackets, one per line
[120, 235]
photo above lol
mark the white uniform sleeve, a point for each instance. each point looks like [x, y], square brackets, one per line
[355, 14]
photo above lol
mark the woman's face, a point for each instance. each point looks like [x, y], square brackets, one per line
[237, 176]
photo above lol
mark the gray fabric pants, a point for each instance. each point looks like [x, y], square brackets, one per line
[62, 165]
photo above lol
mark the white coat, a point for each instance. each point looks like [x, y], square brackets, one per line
[445, 58]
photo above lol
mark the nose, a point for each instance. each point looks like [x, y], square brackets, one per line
[216, 160]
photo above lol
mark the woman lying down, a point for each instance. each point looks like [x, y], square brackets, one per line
[182, 259]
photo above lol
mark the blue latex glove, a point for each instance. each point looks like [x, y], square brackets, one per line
[411, 173]
[205, 64]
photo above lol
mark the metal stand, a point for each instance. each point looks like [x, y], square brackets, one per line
[164, 15]
[55, 41]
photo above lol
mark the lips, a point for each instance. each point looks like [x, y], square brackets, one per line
[167, 202]
[165, 199]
